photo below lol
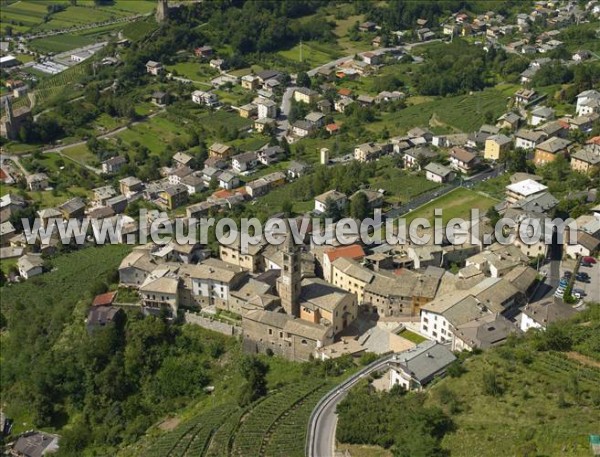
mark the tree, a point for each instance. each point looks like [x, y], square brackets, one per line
[254, 372]
[287, 208]
[303, 80]
[359, 206]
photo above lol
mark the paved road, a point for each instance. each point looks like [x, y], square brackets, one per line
[320, 439]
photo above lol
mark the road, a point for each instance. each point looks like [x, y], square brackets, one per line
[320, 438]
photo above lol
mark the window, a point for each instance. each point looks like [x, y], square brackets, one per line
[270, 331]
[304, 342]
[280, 334]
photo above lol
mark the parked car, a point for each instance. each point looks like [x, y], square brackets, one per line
[581, 292]
[586, 264]
[582, 278]
[567, 274]
[589, 259]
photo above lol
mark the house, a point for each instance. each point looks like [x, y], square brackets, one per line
[526, 188]
[202, 97]
[372, 58]
[367, 26]
[584, 123]
[324, 106]
[73, 208]
[193, 183]
[30, 265]
[160, 293]
[541, 114]
[529, 139]
[541, 314]
[587, 159]
[374, 197]
[261, 124]
[118, 203]
[496, 146]
[37, 181]
[266, 108]
[367, 152]
[302, 128]
[297, 169]
[333, 128]
[586, 245]
[351, 252]
[269, 155]
[102, 316]
[548, 150]
[482, 333]
[154, 68]
[588, 102]
[7, 231]
[525, 96]
[250, 82]
[316, 119]
[365, 100]
[248, 110]
[34, 444]
[181, 159]
[463, 160]
[581, 55]
[244, 162]
[174, 196]
[413, 156]
[160, 98]
[228, 180]
[331, 197]
[268, 75]
[415, 368]
[203, 51]
[305, 95]
[217, 64]
[438, 173]
[349, 275]
[342, 103]
[11, 204]
[130, 185]
[220, 151]
[113, 165]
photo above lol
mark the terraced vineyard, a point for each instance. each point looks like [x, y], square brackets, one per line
[60, 84]
[275, 426]
[556, 366]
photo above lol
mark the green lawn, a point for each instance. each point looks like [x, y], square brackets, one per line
[455, 204]
[412, 336]
[314, 54]
[81, 154]
[194, 71]
[61, 43]
[401, 186]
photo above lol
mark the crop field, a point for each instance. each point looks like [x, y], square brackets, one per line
[60, 85]
[61, 43]
[463, 113]
[274, 426]
[29, 15]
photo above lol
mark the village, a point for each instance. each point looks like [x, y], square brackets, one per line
[326, 136]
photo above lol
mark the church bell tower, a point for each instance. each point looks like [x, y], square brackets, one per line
[162, 11]
[288, 283]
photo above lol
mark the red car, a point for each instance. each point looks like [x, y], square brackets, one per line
[589, 260]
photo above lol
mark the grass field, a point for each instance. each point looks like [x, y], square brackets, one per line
[194, 71]
[314, 54]
[412, 336]
[400, 186]
[455, 204]
[81, 154]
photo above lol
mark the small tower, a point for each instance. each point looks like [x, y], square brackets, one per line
[288, 283]
[162, 11]
[8, 122]
[324, 156]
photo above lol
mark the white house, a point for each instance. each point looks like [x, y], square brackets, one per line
[228, 180]
[333, 196]
[202, 97]
[539, 315]
[415, 368]
[266, 108]
[30, 265]
[541, 114]
[438, 173]
[529, 139]
[588, 102]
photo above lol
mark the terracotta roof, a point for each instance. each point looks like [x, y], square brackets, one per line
[105, 299]
[353, 251]
[345, 92]
[224, 193]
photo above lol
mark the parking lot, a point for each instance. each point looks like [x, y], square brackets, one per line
[592, 288]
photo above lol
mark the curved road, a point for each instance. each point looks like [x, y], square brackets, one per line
[320, 438]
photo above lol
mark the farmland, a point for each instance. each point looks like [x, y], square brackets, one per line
[273, 426]
[32, 16]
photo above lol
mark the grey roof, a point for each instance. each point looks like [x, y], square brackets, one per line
[116, 160]
[540, 203]
[424, 361]
[438, 169]
[101, 315]
[487, 331]
[589, 154]
[554, 145]
[321, 294]
[35, 444]
[70, 206]
[548, 312]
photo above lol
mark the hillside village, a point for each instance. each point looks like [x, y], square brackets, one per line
[329, 138]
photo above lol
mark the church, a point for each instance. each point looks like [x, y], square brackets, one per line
[12, 121]
[311, 313]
